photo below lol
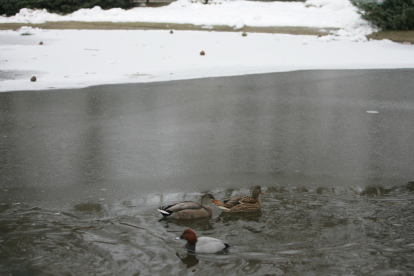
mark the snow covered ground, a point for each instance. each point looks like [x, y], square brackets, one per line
[79, 58]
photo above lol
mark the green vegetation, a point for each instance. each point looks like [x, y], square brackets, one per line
[388, 14]
[11, 7]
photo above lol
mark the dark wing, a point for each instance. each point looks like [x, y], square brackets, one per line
[186, 205]
[248, 200]
[228, 203]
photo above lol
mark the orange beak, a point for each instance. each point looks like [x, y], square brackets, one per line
[262, 193]
[217, 202]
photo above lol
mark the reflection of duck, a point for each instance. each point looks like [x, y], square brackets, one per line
[229, 217]
[202, 244]
[189, 209]
[190, 260]
[195, 224]
[244, 203]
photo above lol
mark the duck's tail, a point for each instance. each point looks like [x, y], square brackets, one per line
[224, 208]
[164, 211]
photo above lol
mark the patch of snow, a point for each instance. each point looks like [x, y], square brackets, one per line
[79, 58]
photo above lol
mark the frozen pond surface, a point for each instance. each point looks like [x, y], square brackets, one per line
[83, 172]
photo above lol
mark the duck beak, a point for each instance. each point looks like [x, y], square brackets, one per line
[262, 193]
[179, 238]
[217, 202]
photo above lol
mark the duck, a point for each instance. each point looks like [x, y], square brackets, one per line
[189, 209]
[243, 204]
[202, 244]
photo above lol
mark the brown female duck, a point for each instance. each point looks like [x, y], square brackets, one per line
[189, 209]
[243, 203]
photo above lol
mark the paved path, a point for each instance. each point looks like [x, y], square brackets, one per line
[397, 36]
[161, 26]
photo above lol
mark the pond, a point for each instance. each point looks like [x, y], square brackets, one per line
[83, 172]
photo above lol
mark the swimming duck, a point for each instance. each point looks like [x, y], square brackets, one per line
[202, 244]
[189, 209]
[243, 203]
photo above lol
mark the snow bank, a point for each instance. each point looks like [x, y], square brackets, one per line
[312, 13]
[79, 58]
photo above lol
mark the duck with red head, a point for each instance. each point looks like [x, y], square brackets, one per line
[202, 244]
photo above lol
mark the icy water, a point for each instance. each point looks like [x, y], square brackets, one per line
[82, 173]
[300, 231]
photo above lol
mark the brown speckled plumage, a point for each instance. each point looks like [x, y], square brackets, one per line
[241, 204]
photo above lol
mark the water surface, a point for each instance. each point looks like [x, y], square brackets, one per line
[82, 173]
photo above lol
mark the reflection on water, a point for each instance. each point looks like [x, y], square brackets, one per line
[88, 207]
[232, 217]
[210, 133]
[196, 224]
[82, 173]
[299, 231]
[189, 260]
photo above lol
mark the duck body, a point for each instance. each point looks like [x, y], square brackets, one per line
[243, 204]
[202, 244]
[189, 209]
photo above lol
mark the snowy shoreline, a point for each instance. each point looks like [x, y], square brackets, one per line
[339, 14]
[80, 58]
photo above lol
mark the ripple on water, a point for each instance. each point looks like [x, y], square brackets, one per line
[298, 231]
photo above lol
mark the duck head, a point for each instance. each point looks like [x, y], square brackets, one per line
[207, 199]
[256, 191]
[189, 235]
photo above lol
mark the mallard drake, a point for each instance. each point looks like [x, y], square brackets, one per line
[202, 244]
[189, 209]
[243, 203]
